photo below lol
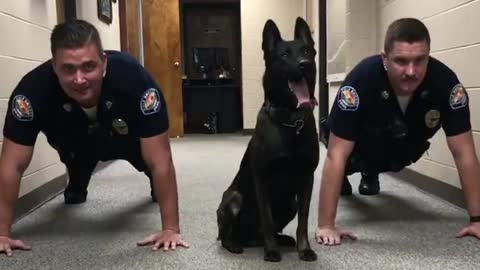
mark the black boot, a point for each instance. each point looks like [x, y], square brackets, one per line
[369, 184]
[79, 173]
[346, 188]
[75, 197]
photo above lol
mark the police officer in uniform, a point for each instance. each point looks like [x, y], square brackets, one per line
[92, 106]
[386, 110]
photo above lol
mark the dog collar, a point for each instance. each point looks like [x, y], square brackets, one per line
[284, 117]
[298, 125]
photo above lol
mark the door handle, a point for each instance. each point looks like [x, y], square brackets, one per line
[176, 64]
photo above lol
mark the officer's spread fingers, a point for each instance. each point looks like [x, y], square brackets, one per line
[174, 245]
[5, 248]
[349, 234]
[331, 240]
[146, 241]
[8, 250]
[337, 240]
[21, 245]
[166, 245]
[325, 240]
[157, 245]
[183, 244]
[463, 232]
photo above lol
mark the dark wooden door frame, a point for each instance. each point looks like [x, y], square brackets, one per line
[70, 9]
[322, 56]
[122, 14]
[66, 10]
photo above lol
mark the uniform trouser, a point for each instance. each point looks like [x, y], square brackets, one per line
[81, 166]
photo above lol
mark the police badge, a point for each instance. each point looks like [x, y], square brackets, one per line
[458, 97]
[348, 99]
[150, 102]
[432, 118]
[22, 108]
[120, 126]
[67, 107]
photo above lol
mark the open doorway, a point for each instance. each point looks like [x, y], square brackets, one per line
[212, 79]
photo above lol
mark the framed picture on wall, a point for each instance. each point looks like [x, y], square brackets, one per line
[104, 10]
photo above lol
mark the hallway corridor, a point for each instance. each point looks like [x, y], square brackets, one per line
[402, 228]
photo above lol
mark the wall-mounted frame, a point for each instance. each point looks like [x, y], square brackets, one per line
[104, 10]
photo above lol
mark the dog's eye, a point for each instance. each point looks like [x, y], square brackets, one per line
[306, 51]
[284, 54]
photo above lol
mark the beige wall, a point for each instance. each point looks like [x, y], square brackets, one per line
[366, 23]
[110, 33]
[26, 23]
[336, 20]
[358, 21]
[254, 14]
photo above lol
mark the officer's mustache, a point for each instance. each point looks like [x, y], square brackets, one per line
[409, 78]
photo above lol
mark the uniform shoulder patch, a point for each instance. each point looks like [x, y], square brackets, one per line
[348, 99]
[458, 97]
[22, 108]
[150, 102]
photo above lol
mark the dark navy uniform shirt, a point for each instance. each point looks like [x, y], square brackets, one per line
[131, 107]
[366, 111]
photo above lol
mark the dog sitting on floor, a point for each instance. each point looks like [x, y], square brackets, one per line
[275, 178]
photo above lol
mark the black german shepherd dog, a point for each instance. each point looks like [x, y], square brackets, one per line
[275, 179]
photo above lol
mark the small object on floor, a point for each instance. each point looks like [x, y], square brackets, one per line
[212, 123]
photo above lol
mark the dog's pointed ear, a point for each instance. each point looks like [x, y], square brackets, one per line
[271, 36]
[302, 31]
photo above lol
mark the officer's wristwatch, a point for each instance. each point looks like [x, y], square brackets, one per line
[474, 219]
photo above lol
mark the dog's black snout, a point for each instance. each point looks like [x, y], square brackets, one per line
[304, 64]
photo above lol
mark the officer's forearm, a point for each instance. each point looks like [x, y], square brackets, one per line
[165, 185]
[469, 171]
[331, 184]
[9, 187]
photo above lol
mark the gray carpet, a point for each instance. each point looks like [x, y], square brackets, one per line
[402, 228]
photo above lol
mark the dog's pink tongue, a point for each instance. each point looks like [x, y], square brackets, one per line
[300, 89]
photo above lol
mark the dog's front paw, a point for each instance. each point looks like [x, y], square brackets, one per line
[236, 250]
[233, 248]
[307, 255]
[272, 256]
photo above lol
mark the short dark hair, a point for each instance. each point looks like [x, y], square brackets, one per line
[407, 30]
[74, 34]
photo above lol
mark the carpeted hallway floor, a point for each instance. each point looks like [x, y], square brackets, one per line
[403, 228]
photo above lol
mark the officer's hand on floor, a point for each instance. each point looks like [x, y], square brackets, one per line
[471, 230]
[330, 236]
[7, 245]
[169, 239]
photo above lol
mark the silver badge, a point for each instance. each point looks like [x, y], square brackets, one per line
[120, 126]
[432, 118]
[108, 104]
[385, 95]
[67, 107]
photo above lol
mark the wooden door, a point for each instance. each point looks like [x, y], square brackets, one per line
[161, 30]
[161, 45]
